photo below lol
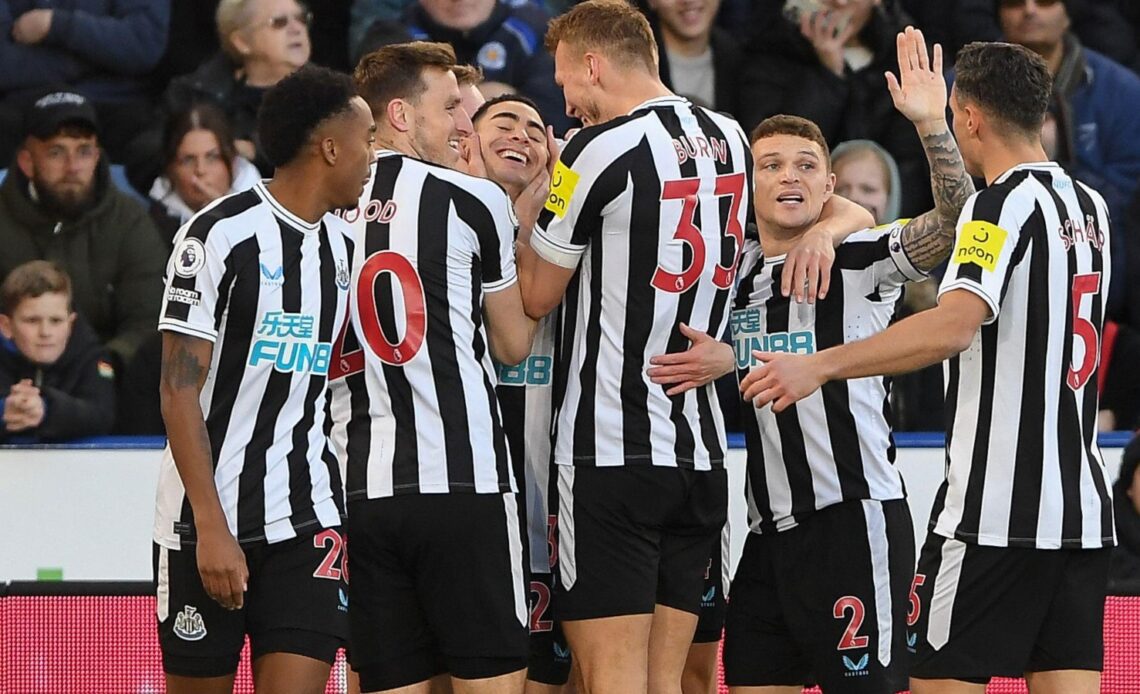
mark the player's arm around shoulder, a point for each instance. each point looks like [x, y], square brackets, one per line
[548, 257]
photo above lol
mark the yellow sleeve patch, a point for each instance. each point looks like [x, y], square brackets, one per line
[980, 243]
[562, 184]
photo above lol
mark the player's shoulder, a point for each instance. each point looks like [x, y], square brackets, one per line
[226, 217]
[725, 122]
[336, 224]
[483, 188]
[597, 140]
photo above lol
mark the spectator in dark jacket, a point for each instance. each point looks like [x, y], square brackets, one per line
[56, 381]
[829, 68]
[57, 203]
[698, 60]
[1124, 572]
[262, 42]
[502, 39]
[102, 49]
[1092, 128]
[1099, 24]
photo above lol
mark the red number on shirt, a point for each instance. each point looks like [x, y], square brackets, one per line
[541, 602]
[328, 568]
[1084, 330]
[552, 539]
[915, 610]
[344, 364]
[850, 640]
[411, 288]
[685, 190]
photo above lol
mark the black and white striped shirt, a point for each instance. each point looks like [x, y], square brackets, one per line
[525, 398]
[1023, 466]
[654, 205]
[424, 419]
[270, 291]
[834, 445]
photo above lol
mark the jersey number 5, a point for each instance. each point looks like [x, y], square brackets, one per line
[1085, 331]
[685, 190]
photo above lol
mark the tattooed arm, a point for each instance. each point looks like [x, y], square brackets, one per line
[929, 237]
[919, 93]
[221, 562]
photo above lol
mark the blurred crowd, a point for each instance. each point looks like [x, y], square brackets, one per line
[119, 119]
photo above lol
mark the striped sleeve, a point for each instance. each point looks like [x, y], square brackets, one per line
[984, 248]
[498, 256]
[195, 274]
[573, 207]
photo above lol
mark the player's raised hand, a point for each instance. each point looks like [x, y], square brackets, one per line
[782, 379]
[919, 92]
[703, 362]
[221, 563]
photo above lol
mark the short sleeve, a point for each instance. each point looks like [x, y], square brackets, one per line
[193, 282]
[880, 251]
[985, 240]
[574, 204]
[497, 249]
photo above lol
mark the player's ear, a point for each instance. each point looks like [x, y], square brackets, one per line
[593, 67]
[328, 150]
[399, 115]
[6, 326]
[829, 188]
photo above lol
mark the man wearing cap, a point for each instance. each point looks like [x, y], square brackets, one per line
[58, 203]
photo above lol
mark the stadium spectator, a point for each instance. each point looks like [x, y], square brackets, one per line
[1124, 571]
[1099, 24]
[58, 203]
[1092, 127]
[200, 165]
[867, 174]
[828, 67]
[696, 59]
[262, 42]
[56, 381]
[502, 38]
[102, 49]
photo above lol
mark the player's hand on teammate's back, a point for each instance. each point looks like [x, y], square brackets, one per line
[221, 563]
[782, 379]
[702, 363]
[919, 92]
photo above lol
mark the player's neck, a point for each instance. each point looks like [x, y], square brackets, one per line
[292, 187]
[776, 241]
[1001, 157]
[635, 91]
[395, 142]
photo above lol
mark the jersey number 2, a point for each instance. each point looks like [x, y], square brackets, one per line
[685, 190]
[1085, 331]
